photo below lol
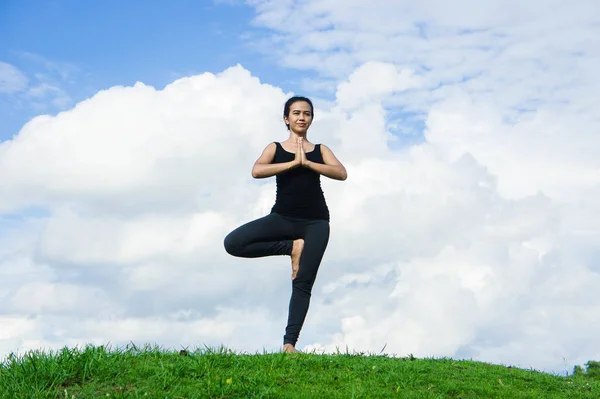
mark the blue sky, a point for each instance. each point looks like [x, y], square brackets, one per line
[82, 47]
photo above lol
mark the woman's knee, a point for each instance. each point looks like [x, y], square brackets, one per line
[231, 244]
[303, 285]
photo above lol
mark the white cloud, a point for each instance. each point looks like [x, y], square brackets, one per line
[507, 92]
[144, 153]
[548, 150]
[52, 70]
[374, 81]
[47, 89]
[12, 80]
[479, 241]
[138, 204]
[504, 52]
[45, 93]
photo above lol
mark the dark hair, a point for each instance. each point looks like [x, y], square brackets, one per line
[292, 100]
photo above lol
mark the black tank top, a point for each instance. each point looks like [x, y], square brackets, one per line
[299, 192]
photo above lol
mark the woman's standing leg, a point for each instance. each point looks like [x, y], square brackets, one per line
[316, 238]
[267, 236]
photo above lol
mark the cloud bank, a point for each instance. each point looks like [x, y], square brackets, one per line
[478, 241]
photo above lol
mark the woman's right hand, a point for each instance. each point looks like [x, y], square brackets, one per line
[300, 157]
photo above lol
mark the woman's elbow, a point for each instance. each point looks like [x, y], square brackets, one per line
[344, 174]
[256, 173]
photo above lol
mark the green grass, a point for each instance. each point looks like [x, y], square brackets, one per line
[101, 372]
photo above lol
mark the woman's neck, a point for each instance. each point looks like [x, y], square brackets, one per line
[294, 136]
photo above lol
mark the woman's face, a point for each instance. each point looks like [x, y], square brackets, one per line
[300, 117]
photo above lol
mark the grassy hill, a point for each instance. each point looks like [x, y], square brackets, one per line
[101, 372]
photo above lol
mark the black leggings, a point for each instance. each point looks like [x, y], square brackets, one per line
[273, 235]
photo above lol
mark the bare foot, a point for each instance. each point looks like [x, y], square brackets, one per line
[289, 348]
[297, 248]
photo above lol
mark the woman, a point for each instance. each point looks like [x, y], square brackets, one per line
[298, 225]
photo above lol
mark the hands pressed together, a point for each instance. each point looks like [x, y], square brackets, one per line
[300, 158]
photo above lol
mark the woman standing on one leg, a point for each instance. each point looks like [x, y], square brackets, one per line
[298, 225]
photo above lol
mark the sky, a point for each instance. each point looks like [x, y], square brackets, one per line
[467, 227]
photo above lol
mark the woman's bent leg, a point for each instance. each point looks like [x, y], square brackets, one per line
[316, 238]
[267, 236]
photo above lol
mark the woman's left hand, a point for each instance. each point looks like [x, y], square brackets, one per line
[303, 160]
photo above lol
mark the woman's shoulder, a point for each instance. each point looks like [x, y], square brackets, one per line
[272, 145]
[324, 147]
[269, 150]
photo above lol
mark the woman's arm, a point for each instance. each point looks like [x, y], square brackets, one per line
[264, 168]
[332, 167]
